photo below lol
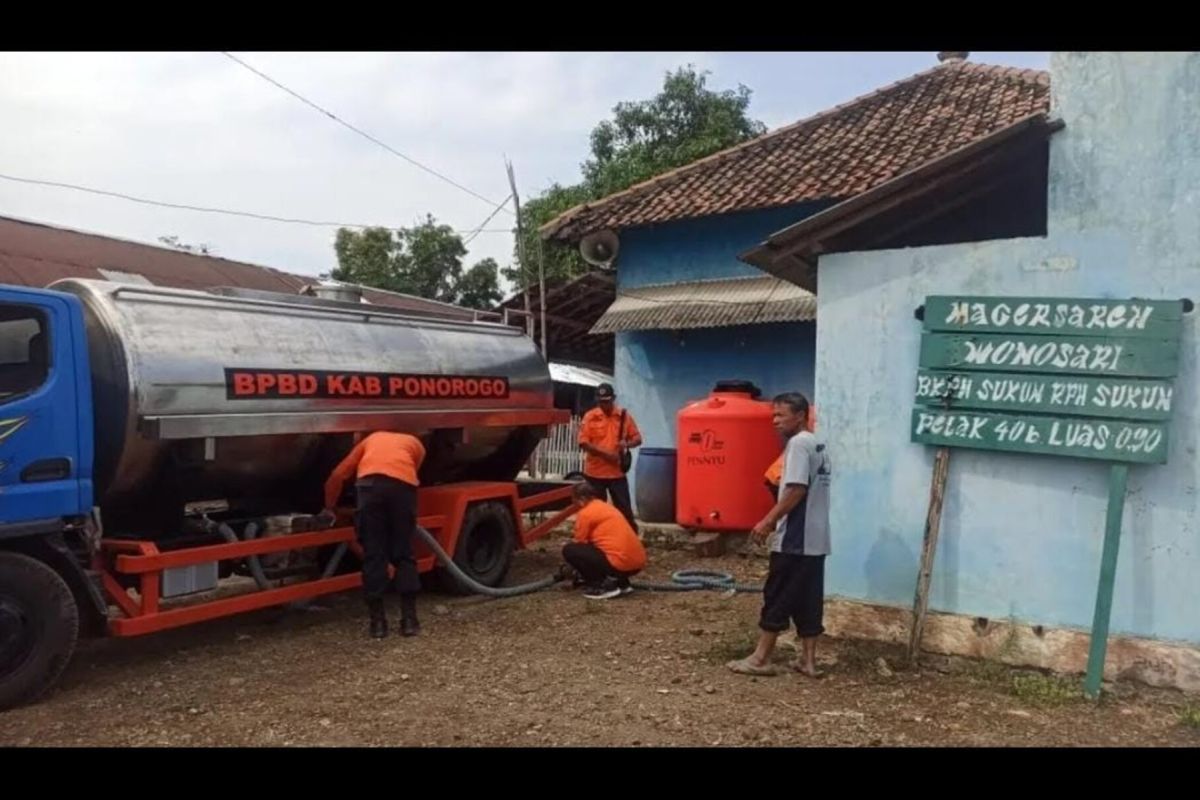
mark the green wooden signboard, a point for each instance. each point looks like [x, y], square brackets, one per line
[1110, 440]
[1049, 394]
[1079, 377]
[1055, 354]
[1153, 319]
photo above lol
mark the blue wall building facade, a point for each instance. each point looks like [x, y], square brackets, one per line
[1021, 535]
[657, 372]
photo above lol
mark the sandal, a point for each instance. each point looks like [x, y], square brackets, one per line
[744, 666]
[798, 666]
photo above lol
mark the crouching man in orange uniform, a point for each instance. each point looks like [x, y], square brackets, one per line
[606, 552]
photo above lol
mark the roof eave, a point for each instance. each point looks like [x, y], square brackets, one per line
[791, 253]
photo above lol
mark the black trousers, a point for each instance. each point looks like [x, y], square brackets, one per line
[615, 490]
[591, 564]
[385, 523]
[795, 592]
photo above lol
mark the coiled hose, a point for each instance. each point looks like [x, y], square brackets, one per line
[690, 580]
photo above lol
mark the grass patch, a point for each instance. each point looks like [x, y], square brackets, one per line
[1189, 717]
[989, 671]
[1046, 690]
[994, 670]
[733, 645]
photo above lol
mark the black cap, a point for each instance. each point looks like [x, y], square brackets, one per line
[605, 392]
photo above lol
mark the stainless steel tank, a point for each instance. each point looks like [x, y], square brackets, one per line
[250, 398]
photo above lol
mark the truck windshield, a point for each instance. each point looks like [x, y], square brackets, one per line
[24, 351]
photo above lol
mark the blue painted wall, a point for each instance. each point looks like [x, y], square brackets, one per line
[1021, 535]
[700, 249]
[658, 372]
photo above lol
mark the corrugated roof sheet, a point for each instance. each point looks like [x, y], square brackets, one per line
[580, 376]
[708, 304]
[836, 154]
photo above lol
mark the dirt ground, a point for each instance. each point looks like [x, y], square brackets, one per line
[556, 669]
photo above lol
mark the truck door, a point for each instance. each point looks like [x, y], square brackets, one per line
[45, 453]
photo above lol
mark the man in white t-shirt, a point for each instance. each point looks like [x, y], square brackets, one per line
[797, 530]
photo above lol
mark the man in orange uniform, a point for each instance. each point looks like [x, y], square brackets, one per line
[605, 551]
[606, 435]
[385, 465]
[773, 476]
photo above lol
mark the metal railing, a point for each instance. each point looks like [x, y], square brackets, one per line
[558, 454]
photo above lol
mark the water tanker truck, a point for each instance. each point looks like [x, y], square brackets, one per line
[162, 453]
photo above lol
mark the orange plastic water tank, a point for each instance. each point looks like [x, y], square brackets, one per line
[725, 444]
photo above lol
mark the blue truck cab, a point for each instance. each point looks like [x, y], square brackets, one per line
[48, 531]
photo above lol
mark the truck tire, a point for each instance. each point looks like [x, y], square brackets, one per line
[485, 546]
[39, 625]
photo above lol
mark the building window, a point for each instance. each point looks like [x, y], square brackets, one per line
[24, 351]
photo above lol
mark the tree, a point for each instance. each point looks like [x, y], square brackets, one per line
[684, 122]
[430, 255]
[368, 257]
[480, 286]
[560, 262]
[424, 260]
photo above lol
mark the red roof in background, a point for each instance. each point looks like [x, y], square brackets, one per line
[34, 254]
[837, 154]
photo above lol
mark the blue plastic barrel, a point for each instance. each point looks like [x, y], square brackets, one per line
[655, 497]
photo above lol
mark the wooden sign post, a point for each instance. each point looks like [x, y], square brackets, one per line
[1075, 377]
[933, 524]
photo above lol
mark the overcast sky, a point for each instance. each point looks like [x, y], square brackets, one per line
[198, 129]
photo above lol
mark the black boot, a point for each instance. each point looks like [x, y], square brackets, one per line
[379, 626]
[409, 626]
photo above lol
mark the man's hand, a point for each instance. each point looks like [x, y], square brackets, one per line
[599, 452]
[793, 495]
[327, 517]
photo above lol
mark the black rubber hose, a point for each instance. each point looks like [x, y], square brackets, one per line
[474, 585]
[330, 568]
[255, 565]
[685, 580]
[690, 580]
[256, 569]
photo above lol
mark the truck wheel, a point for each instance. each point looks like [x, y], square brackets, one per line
[39, 625]
[485, 546]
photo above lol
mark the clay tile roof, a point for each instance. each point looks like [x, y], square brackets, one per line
[836, 154]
